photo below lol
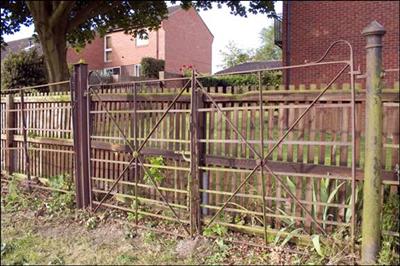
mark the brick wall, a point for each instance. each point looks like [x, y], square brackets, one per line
[182, 39]
[313, 26]
[124, 50]
[187, 42]
[92, 54]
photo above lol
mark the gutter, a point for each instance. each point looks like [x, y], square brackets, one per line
[287, 50]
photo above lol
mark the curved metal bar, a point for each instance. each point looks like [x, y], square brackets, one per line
[329, 49]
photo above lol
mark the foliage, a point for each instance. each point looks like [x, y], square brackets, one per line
[132, 215]
[92, 222]
[13, 201]
[151, 67]
[220, 252]
[100, 77]
[317, 244]
[328, 197]
[186, 70]
[273, 79]
[22, 69]
[63, 181]
[390, 247]
[232, 55]
[215, 230]
[78, 22]
[60, 201]
[149, 237]
[154, 171]
[268, 50]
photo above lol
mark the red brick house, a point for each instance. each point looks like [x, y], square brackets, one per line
[183, 39]
[309, 27]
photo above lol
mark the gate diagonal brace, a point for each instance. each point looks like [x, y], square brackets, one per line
[92, 89]
[162, 196]
[264, 160]
[135, 154]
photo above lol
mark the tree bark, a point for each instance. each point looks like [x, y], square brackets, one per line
[52, 35]
[55, 53]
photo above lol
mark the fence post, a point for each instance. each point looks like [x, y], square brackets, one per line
[80, 104]
[10, 144]
[195, 159]
[371, 227]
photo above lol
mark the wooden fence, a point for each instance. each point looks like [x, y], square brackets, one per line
[314, 160]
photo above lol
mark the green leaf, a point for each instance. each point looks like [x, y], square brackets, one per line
[324, 189]
[348, 210]
[316, 244]
[290, 236]
[331, 197]
[314, 196]
[291, 185]
[278, 235]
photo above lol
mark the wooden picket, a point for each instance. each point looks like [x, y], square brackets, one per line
[317, 150]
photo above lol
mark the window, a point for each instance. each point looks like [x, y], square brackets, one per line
[142, 40]
[137, 69]
[107, 49]
[113, 71]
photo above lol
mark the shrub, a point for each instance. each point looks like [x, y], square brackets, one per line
[100, 77]
[26, 68]
[267, 79]
[151, 67]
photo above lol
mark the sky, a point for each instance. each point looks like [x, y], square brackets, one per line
[224, 26]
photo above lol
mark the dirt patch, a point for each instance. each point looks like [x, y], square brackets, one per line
[192, 247]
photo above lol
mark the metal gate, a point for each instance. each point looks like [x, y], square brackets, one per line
[198, 95]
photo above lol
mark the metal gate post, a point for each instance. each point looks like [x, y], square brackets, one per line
[195, 153]
[80, 100]
[371, 227]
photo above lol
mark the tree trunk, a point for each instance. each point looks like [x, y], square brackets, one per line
[55, 52]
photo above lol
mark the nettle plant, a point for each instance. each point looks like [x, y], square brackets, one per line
[155, 172]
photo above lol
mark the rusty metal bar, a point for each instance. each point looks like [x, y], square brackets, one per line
[27, 161]
[137, 152]
[112, 118]
[262, 156]
[135, 145]
[194, 177]
[38, 86]
[81, 135]
[274, 147]
[140, 212]
[163, 116]
[142, 81]
[353, 150]
[278, 68]
[162, 195]
[233, 126]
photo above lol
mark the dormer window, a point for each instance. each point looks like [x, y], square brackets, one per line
[142, 40]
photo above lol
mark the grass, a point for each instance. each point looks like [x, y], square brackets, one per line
[44, 228]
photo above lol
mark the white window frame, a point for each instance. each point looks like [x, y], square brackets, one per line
[144, 44]
[112, 68]
[106, 49]
[135, 72]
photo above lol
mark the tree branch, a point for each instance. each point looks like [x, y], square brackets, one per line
[84, 14]
[61, 12]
